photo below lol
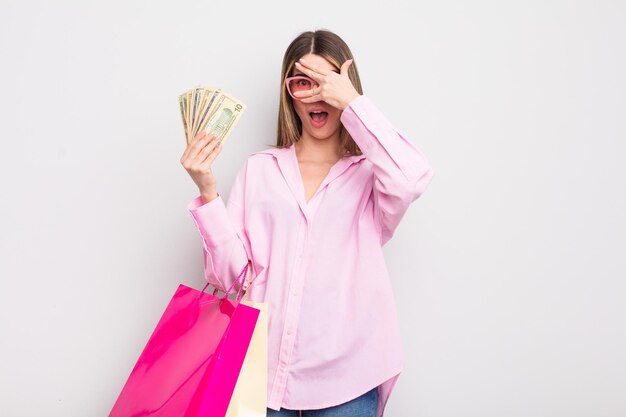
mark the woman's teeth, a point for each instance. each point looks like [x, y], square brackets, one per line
[318, 115]
[318, 119]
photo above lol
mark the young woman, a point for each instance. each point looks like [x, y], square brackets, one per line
[311, 216]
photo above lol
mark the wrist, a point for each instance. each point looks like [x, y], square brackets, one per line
[350, 100]
[209, 196]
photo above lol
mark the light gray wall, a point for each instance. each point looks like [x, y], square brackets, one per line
[509, 273]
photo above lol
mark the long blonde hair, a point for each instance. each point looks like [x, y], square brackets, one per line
[331, 47]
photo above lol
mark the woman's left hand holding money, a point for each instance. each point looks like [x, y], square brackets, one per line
[334, 88]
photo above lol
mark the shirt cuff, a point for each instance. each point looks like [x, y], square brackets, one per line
[212, 220]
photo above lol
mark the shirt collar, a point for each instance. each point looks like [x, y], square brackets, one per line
[285, 152]
[288, 165]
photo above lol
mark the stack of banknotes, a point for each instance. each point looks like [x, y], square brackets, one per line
[210, 109]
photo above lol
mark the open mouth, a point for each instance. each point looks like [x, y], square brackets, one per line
[318, 116]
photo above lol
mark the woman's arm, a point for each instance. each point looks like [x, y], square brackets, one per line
[223, 234]
[402, 173]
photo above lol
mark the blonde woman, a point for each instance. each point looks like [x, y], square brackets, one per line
[311, 215]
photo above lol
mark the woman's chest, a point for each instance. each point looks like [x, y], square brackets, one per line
[280, 199]
[312, 176]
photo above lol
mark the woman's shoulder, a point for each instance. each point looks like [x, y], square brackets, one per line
[259, 160]
[275, 151]
[267, 154]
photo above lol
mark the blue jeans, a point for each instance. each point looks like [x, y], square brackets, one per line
[362, 406]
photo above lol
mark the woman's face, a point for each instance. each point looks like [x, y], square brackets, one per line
[319, 126]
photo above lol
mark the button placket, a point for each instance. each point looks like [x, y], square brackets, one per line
[295, 284]
[296, 289]
[292, 311]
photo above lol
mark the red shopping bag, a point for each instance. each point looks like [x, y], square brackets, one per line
[191, 362]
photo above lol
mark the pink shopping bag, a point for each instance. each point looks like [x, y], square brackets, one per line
[191, 362]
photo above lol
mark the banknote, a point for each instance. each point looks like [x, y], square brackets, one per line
[209, 109]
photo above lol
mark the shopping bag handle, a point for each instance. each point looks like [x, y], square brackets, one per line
[242, 273]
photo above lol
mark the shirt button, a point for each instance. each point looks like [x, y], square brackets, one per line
[288, 331]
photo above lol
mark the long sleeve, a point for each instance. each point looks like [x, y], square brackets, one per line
[226, 246]
[402, 172]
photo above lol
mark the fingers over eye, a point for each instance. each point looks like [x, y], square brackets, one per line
[302, 68]
[314, 67]
[311, 73]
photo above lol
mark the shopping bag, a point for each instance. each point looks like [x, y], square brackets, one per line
[249, 398]
[191, 362]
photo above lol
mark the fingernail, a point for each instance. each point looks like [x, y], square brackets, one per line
[302, 59]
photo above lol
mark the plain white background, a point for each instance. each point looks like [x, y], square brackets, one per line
[509, 272]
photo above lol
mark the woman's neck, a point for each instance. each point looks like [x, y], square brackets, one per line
[319, 150]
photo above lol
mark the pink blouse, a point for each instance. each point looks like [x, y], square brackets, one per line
[333, 332]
